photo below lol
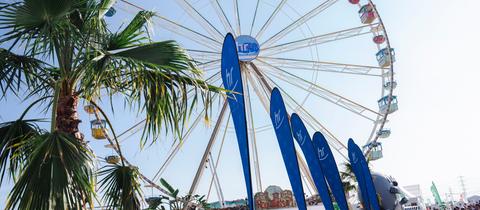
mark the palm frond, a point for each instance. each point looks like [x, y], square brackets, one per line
[121, 187]
[19, 72]
[13, 135]
[155, 78]
[132, 35]
[59, 175]
[165, 55]
[39, 25]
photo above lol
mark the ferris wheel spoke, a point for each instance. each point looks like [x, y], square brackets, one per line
[222, 16]
[201, 20]
[252, 131]
[177, 28]
[323, 93]
[270, 19]
[174, 150]
[237, 17]
[330, 97]
[317, 40]
[297, 23]
[186, 32]
[261, 92]
[208, 63]
[254, 17]
[312, 65]
[311, 121]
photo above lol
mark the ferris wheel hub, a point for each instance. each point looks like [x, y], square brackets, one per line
[247, 47]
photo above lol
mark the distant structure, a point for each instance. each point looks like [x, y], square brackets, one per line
[463, 196]
[415, 198]
[474, 199]
[274, 197]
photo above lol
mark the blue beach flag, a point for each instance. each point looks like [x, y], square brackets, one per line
[303, 139]
[353, 155]
[369, 194]
[279, 117]
[330, 169]
[232, 80]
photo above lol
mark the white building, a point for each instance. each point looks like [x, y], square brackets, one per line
[415, 198]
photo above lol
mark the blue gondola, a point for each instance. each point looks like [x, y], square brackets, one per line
[384, 133]
[390, 85]
[111, 12]
[383, 105]
[376, 150]
[383, 57]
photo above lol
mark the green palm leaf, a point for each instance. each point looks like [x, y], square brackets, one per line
[154, 77]
[18, 71]
[132, 34]
[13, 135]
[121, 187]
[59, 175]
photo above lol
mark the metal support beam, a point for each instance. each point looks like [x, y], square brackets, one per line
[201, 166]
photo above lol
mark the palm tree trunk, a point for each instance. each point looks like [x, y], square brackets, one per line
[67, 117]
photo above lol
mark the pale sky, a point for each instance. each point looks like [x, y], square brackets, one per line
[432, 136]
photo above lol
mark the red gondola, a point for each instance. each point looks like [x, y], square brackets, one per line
[354, 1]
[379, 39]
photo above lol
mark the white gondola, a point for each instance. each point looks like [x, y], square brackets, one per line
[376, 151]
[384, 133]
[390, 85]
[383, 105]
[384, 59]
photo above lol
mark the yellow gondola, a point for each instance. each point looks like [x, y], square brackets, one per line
[90, 109]
[112, 159]
[98, 129]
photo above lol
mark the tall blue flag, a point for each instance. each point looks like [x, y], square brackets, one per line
[279, 117]
[355, 163]
[303, 139]
[232, 80]
[329, 167]
[369, 194]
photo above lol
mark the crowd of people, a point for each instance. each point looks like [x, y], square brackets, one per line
[468, 206]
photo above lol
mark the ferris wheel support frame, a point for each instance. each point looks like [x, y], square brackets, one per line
[212, 43]
[201, 166]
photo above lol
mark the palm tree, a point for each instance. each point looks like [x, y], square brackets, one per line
[59, 52]
[348, 178]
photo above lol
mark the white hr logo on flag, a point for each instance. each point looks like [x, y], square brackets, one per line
[230, 84]
[322, 154]
[278, 119]
[301, 137]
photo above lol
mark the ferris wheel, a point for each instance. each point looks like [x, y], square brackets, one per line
[331, 59]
